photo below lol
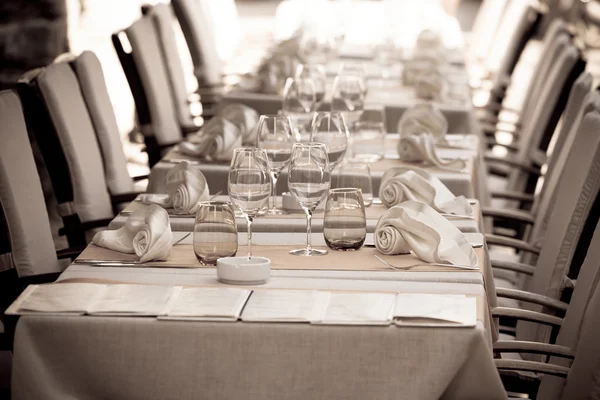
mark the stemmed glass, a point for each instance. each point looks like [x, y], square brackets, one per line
[316, 73]
[275, 135]
[348, 96]
[299, 101]
[358, 70]
[309, 179]
[330, 129]
[249, 184]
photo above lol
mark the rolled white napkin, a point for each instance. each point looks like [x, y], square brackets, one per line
[245, 118]
[402, 184]
[185, 186]
[423, 118]
[421, 148]
[413, 69]
[216, 140]
[416, 226]
[147, 233]
[429, 39]
[430, 86]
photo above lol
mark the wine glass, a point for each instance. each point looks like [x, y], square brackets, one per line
[249, 184]
[299, 100]
[368, 134]
[316, 73]
[274, 134]
[309, 179]
[330, 129]
[348, 96]
[358, 70]
[317, 46]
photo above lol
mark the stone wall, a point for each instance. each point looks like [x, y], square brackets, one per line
[32, 34]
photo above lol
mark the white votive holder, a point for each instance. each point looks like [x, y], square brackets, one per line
[243, 270]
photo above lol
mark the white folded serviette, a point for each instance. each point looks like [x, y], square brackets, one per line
[415, 68]
[245, 118]
[185, 186]
[416, 226]
[429, 39]
[421, 148]
[430, 86]
[147, 233]
[402, 184]
[423, 118]
[216, 140]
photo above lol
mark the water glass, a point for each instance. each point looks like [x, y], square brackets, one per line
[249, 184]
[345, 222]
[367, 135]
[348, 97]
[215, 232]
[356, 175]
[330, 129]
[316, 73]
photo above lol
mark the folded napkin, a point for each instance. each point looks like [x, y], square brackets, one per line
[413, 69]
[423, 118]
[416, 226]
[401, 184]
[245, 118]
[216, 140]
[185, 186]
[430, 86]
[147, 233]
[421, 148]
[429, 39]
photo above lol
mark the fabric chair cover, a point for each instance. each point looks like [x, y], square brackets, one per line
[60, 90]
[21, 195]
[162, 16]
[195, 24]
[94, 91]
[579, 188]
[148, 55]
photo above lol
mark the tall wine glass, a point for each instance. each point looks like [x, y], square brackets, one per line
[355, 69]
[299, 101]
[316, 73]
[309, 179]
[249, 184]
[275, 135]
[348, 97]
[330, 129]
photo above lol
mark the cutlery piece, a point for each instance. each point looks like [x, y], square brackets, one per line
[447, 215]
[181, 238]
[406, 267]
[214, 196]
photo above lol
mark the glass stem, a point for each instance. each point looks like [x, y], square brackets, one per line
[274, 191]
[249, 219]
[308, 229]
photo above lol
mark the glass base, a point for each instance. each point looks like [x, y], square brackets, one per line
[307, 252]
[275, 211]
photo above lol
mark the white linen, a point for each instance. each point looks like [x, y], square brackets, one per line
[216, 140]
[416, 226]
[429, 39]
[423, 118]
[185, 186]
[413, 69]
[401, 184]
[244, 117]
[421, 148]
[429, 86]
[147, 233]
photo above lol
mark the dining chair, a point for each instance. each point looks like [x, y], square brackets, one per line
[90, 76]
[555, 265]
[563, 368]
[485, 27]
[140, 54]
[63, 128]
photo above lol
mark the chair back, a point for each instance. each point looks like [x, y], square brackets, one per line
[485, 27]
[89, 73]
[202, 42]
[571, 223]
[163, 19]
[27, 228]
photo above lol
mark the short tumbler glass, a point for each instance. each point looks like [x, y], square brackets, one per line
[345, 222]
[215, 232]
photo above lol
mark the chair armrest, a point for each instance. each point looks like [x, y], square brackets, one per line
[85, 226]
[189, 129]
[491, 128]
[526, 315]
[513, 215]
[162, 146]
[71, 252]
[533, 298]
[513, 164]
[505, 194]
[513, 266]
[532, 366]
[510, 242]
[508, 147]
[521, 346]
[124, 197]
[140, 178]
